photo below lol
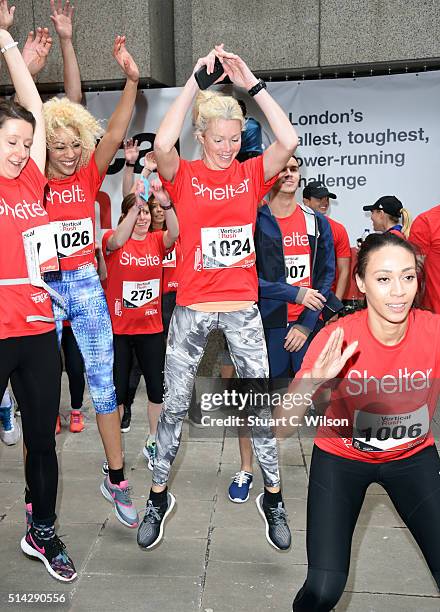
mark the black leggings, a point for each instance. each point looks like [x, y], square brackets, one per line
[74, 364]
[337, 489]
[150, 353]
[33, 364]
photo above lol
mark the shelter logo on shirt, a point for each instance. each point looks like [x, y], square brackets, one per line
[361, 383]
[219, 193]
[22, 210]
[70, 195]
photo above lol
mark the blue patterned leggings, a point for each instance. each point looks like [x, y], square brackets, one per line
[86, 309]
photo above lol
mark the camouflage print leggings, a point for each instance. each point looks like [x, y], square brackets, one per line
[187, 338]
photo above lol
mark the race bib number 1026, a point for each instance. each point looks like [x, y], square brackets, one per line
[228, 247]
[74, 237]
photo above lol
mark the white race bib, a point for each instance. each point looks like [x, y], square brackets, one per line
[389, 432]
[40, 251]
[137, 294]
[297, 269]
[74, 237]
[169, 261]
[228, 247]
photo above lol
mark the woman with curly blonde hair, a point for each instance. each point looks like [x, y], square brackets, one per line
[76, 169]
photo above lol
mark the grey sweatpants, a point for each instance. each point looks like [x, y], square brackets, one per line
[187, 338]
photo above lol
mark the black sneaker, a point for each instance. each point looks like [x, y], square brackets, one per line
[150, 530]
[277, 529]
[52, 553]
[126, 419]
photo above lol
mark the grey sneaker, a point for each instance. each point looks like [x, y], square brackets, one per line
[149, 452]
[277, 529]
[119, 495]
[10, 430]
[150, 530]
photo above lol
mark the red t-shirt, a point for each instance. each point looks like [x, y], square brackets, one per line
[217, 213]
[388, 394]
[172, 264]
[134, 284]
[21, 208]
[342, 244]
[297, 252]
[70, 203]
[425, 233]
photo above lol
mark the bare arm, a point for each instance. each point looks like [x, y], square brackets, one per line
[131, 153]
[286, 139]
[161, 195]
[62, 19]
[343, 269]
[28, 96]
[171, 125]
[124, 230]
[118, 124]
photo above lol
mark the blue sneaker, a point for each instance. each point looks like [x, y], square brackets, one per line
[10, 430]
[239, 488]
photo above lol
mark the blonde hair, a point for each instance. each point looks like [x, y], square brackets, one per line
[406, 221]
[212, 105]
[62, 113]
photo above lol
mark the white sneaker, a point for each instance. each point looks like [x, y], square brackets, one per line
[10, 430]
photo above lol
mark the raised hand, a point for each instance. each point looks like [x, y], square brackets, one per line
[235, 68]
[6, 15]
[62, 18]
[209, 61]
[124, 59]
[160, 194]
[150, 163]
[313, 300]
[36, 49]
[331, 359]
[131, 150]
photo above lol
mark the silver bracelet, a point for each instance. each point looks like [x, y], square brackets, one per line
[169, 207]
[9, 46]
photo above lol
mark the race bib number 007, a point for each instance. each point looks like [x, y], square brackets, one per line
[389, 432]
[228, 247]
[297, 269]
[138, 294]
[74, 238]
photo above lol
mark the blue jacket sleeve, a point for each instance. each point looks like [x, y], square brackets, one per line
[277, 290]
[324, 270]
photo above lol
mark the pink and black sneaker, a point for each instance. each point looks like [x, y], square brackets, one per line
[45, 545]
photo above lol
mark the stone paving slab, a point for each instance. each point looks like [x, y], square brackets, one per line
[214, 556]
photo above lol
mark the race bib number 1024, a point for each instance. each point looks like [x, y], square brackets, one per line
[228, 247]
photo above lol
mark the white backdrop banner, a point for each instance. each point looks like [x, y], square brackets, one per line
[363, 138]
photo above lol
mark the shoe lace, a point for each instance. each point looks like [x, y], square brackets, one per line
[241, 478]
[76, 418]
[152, 514]
[126, 494]
[277, 515]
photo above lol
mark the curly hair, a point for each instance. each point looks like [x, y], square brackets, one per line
[61, 113]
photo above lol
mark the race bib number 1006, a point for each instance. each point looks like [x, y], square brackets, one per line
[373, 432]
[228, 247]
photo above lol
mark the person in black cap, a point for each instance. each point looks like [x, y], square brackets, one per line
[386, 215]
[316, 196]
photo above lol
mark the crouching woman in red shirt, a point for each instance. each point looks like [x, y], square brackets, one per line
[377, 427]
[133, 253]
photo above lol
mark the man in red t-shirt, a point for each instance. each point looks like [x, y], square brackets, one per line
[317, 197]
[425, 234]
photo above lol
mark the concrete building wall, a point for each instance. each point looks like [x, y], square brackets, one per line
[281, 36]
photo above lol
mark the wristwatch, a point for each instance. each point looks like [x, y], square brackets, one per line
[169, 207]
[256, 88]
[129, 164]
